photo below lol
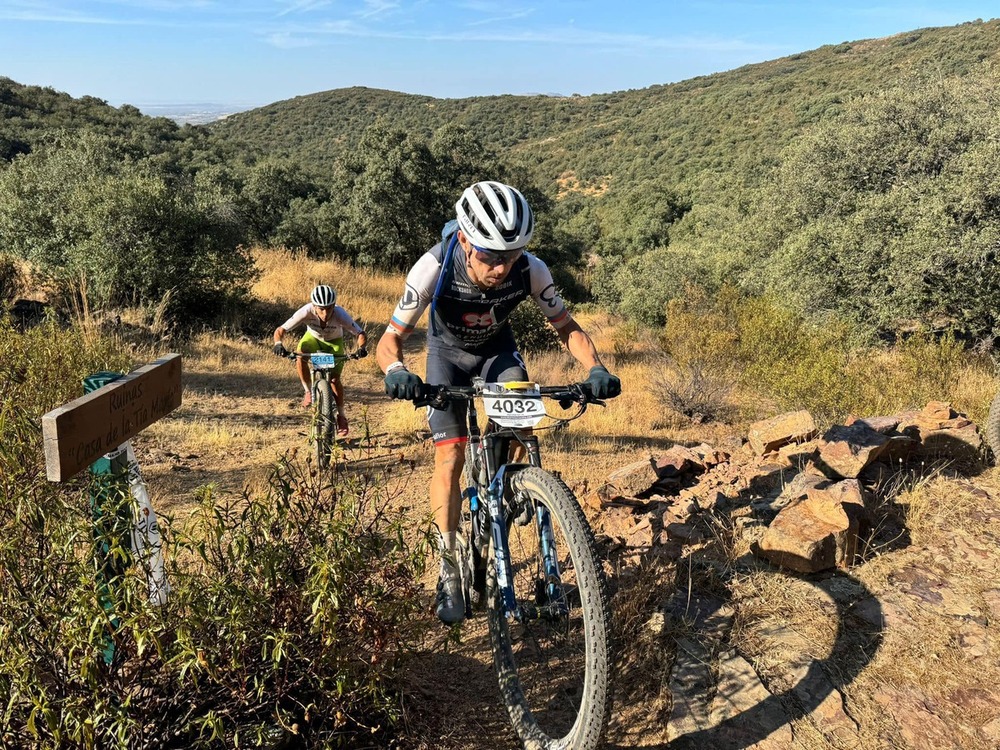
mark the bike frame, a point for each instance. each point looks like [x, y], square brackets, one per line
[317, 374]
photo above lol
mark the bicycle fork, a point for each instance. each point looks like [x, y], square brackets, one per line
[553, 580]
[550, 597]
[501, 550]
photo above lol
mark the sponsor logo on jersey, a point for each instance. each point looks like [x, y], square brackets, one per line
[410, 299]
[549, 295]
[475, 320]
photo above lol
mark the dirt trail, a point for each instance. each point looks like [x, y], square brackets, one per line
[232, 427]
[825, 662]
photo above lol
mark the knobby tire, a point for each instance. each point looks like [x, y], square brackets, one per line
[993, 427]
[554, 672]
[323, 429]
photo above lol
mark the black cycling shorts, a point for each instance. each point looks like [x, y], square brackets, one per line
[450, 366]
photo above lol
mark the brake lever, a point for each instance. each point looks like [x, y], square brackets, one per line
[430, 398]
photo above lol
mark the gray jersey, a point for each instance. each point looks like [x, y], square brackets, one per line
[465, 316]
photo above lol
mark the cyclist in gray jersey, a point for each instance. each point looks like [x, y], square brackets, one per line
[472, 282]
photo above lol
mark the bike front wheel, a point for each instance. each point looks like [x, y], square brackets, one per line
[323, 422]
[553, 656]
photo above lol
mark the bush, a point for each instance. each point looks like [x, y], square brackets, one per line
[290, 614]
[86, 208]
[641, 287]
[700, 361]
[713, 343]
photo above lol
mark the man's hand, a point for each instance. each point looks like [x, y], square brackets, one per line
[602, 383]
[403, 384]
[361, 352]
[279, 350]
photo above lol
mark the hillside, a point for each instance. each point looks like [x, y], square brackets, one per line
[30, 114]
[853, 182]
[679, 130]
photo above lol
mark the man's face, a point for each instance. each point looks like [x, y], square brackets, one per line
[488, 268]
[323, 313]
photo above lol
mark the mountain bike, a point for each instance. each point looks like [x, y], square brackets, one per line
[324, 417]
[527, 554]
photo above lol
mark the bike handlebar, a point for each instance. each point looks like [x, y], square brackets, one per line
[439, 396]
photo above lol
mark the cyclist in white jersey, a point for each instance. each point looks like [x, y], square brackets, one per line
[472, 283]
[325, 323]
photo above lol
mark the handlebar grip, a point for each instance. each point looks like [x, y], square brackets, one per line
[429, 396]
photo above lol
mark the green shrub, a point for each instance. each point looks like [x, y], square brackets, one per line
[641, 287]
[87, 208]
[290, 614]
[713, 343]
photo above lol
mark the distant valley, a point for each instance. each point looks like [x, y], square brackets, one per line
[194, 114]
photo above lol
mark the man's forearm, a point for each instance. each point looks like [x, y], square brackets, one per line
[390, 349]
[580, 345]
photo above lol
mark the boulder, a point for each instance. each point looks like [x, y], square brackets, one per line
[939, 430]
[770, 434]
[819, 532]
[846, 450]
[633, 479]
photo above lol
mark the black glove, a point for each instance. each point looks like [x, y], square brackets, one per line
[602, 383]
[361, 353]
[402, 383]
[280, 350]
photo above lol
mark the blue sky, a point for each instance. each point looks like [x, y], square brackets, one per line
[251, 52]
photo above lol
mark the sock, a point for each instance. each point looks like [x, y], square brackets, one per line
[447, 543]
[448, 540]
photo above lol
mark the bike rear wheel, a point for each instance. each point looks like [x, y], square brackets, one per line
[554, 662]
[324, 423]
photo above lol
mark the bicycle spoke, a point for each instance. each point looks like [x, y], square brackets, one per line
[549, 651]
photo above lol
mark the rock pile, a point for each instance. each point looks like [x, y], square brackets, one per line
[808, 492]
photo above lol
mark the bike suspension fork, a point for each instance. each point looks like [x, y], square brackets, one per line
[550, 558]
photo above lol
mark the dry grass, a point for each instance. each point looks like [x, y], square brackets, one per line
[287, 277]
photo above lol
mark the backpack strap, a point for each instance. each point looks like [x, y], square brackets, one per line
[448, 241]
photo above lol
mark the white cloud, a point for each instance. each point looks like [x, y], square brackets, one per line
[376, 8]
[302, 6]
[284, 40]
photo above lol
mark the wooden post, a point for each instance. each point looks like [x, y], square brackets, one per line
[84, 430]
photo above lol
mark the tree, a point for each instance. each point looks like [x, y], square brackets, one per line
[83, 206]
[889, 215]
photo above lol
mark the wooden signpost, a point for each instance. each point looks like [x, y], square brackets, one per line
[93, 431]
[82, 431]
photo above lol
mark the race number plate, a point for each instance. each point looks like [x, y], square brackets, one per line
[323, 361]
[513, 407]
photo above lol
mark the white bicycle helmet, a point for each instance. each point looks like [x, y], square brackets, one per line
[495, 216]
[323, 296]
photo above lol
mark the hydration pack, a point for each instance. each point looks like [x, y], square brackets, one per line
[449, 238]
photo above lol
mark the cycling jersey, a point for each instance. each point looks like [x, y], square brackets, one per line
[332, 330]
[467, 317]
